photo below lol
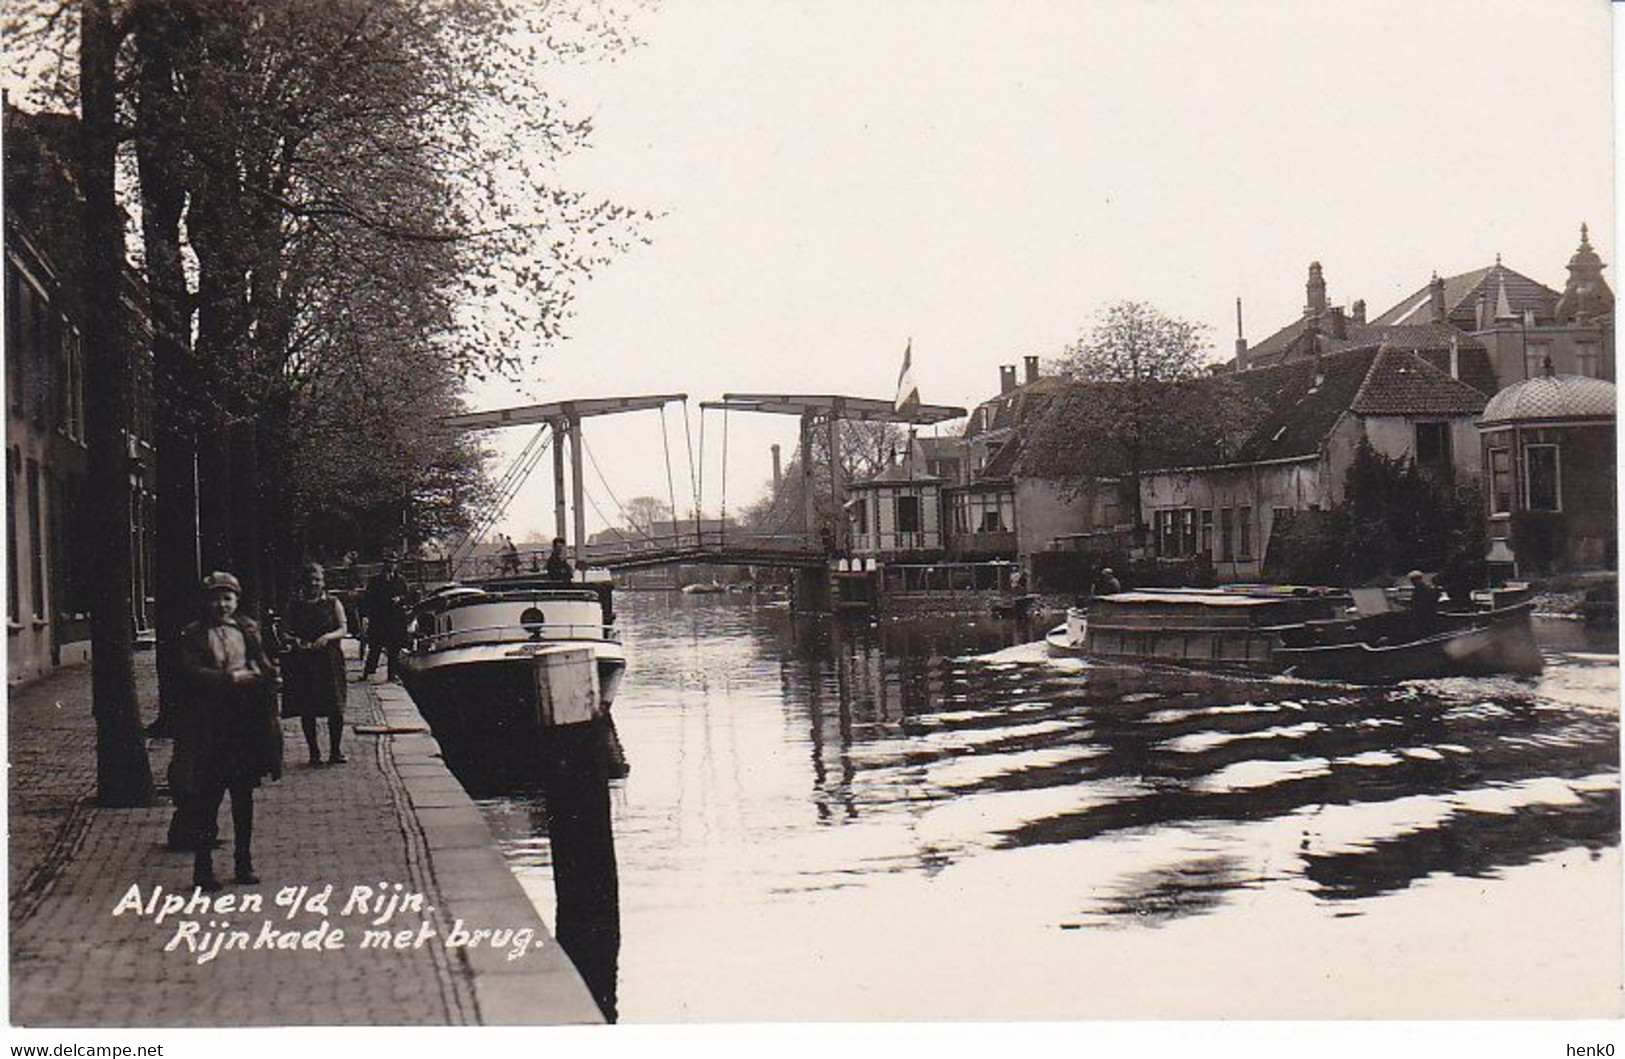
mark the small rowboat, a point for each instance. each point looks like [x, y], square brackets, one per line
[1385, 648]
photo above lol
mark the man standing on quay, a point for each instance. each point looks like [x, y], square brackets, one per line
[383, 605]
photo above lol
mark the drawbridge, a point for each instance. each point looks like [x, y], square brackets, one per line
[559, 429]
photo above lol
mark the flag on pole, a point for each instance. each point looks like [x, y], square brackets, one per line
[908, 391]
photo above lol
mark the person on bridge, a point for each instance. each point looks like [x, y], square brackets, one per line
[230, 735]
[383, 605]
[559, 570]
[509, 556]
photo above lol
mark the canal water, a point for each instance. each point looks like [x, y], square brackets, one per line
[925, 818]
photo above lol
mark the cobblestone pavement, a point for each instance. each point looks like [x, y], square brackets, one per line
[75, 963]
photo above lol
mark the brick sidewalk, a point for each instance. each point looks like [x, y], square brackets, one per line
[374, 821]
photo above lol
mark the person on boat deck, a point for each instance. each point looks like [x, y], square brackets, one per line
[559, 569]
[230, 735]
[383, 604]
[1106, 582]
[1424, 603]
[313, 665]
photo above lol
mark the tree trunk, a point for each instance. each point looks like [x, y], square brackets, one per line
[214, 488]
[123, 776]
[161, 40]
[245, 516]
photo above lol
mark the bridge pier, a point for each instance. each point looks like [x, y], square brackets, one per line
[811, 589]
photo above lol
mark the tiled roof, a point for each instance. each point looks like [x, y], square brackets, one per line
[1401, 384]
[1300, 401]
[1473, 366]
[1295, 341]
[1014, 408]
[1003, 464]
[1298, 413]
[1461, 294]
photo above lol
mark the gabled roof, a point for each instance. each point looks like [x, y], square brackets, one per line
[1004, 462]
[1461, 295]
[1013, 408]
[1400, 384]
[1298, 412]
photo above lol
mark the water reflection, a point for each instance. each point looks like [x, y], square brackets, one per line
[812, 789]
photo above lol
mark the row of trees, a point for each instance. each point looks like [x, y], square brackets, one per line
[343, 212]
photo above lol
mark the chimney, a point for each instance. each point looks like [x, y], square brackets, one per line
[1481, 312]
[1032, 368]
[1241, 341]
[1007, 378]
[1316, 288]
[1436, 309]
[1455, 358]
[778, 472]
[1359, 311]
[1340, 328]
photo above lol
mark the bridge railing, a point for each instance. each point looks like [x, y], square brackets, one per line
[733, 541]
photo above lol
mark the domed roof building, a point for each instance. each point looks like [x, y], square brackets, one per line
[1549, 467]
[1549, 399]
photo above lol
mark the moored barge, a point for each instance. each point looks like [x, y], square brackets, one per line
[491, 666]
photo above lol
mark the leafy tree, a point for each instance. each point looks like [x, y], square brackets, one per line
[326, 185]
[866, 447]
[642, 512]
[1393, 517]
[1137, 383]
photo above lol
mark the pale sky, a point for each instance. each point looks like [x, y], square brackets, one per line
[836, 179]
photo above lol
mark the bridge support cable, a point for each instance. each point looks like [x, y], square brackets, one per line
[507, 487]
[620, 507]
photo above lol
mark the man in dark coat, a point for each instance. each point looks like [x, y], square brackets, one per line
[1424, 603]
[383, 604]
[230, 735]
[559, 570]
